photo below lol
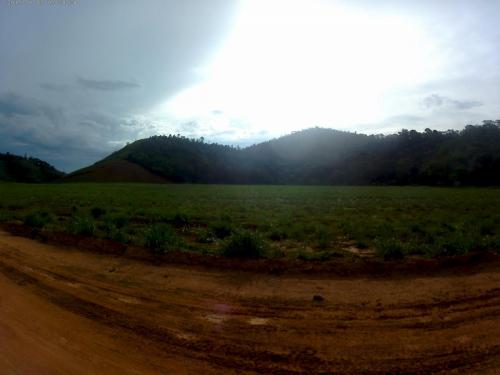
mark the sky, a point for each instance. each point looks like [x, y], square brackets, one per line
[81, 78]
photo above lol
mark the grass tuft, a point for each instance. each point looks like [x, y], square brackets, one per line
[37, 219]
[82, 226]
[244, 245]
[97, 212]
[160, 238]
[389, 249]
[221, 229]
[181, 220]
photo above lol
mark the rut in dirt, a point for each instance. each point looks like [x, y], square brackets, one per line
[188, 319]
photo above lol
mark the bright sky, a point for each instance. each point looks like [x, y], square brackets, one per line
[288, 65]
[80, 80]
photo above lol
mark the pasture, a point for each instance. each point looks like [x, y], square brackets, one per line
[305, 222]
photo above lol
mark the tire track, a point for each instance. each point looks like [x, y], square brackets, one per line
[231, 330]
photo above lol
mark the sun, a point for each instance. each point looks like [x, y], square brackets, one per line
[292, 64]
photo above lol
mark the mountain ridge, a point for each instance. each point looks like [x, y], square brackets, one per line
[470, 156]
[15, 168]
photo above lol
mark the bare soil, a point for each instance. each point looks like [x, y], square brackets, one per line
[68, 311]
[115, 171]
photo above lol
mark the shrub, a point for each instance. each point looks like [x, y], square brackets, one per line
[276, 254]
[244, 245]
[495, 244]
[360, 244]
[323, 238]
[181, 220]
[204, 236]
[5, 216]
[417, 229]
[160, 238]
[97, 212]
[487, 228]
[82, 226]
[277, 235]
[221, 229]
[119, 236]
[455, 245]
[389, 249]
[38, 219]
[298, 231]
[114, 233]
[321, 256]
[14, 207]
[119, 220]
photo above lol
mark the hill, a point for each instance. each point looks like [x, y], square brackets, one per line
[115, 171]
[27, 169]
[317, 156]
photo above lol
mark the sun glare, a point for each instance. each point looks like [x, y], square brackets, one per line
[292, 64]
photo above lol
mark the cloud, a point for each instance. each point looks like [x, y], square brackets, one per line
[106, 85]
[55, 87]
[404, 119]
[433, 101]
[31, 121]
[116, 63]
[12, 104]
[393, 124]
[69, 139]
[467, 104]
[436, 101]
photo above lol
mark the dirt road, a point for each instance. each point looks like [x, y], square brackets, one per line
[64, 311]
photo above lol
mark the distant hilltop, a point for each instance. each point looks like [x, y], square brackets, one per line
[312, 156]
[27, 169]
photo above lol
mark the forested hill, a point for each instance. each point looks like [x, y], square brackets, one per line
[326, 156]
[26, 169]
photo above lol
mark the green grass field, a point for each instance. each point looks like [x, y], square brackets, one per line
[307, 222]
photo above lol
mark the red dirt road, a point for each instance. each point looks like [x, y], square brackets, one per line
[65, 311]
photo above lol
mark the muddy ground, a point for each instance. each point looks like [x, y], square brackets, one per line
[68, 311]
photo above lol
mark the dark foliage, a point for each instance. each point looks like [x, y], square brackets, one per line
[83, 226]
[160, 238]
[26, 169]
[37, 219]
[97, 212]
[222, 229]
[326, 156]
[244, 245]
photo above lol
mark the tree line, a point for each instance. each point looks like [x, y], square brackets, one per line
[26, 169]
[470, 156]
